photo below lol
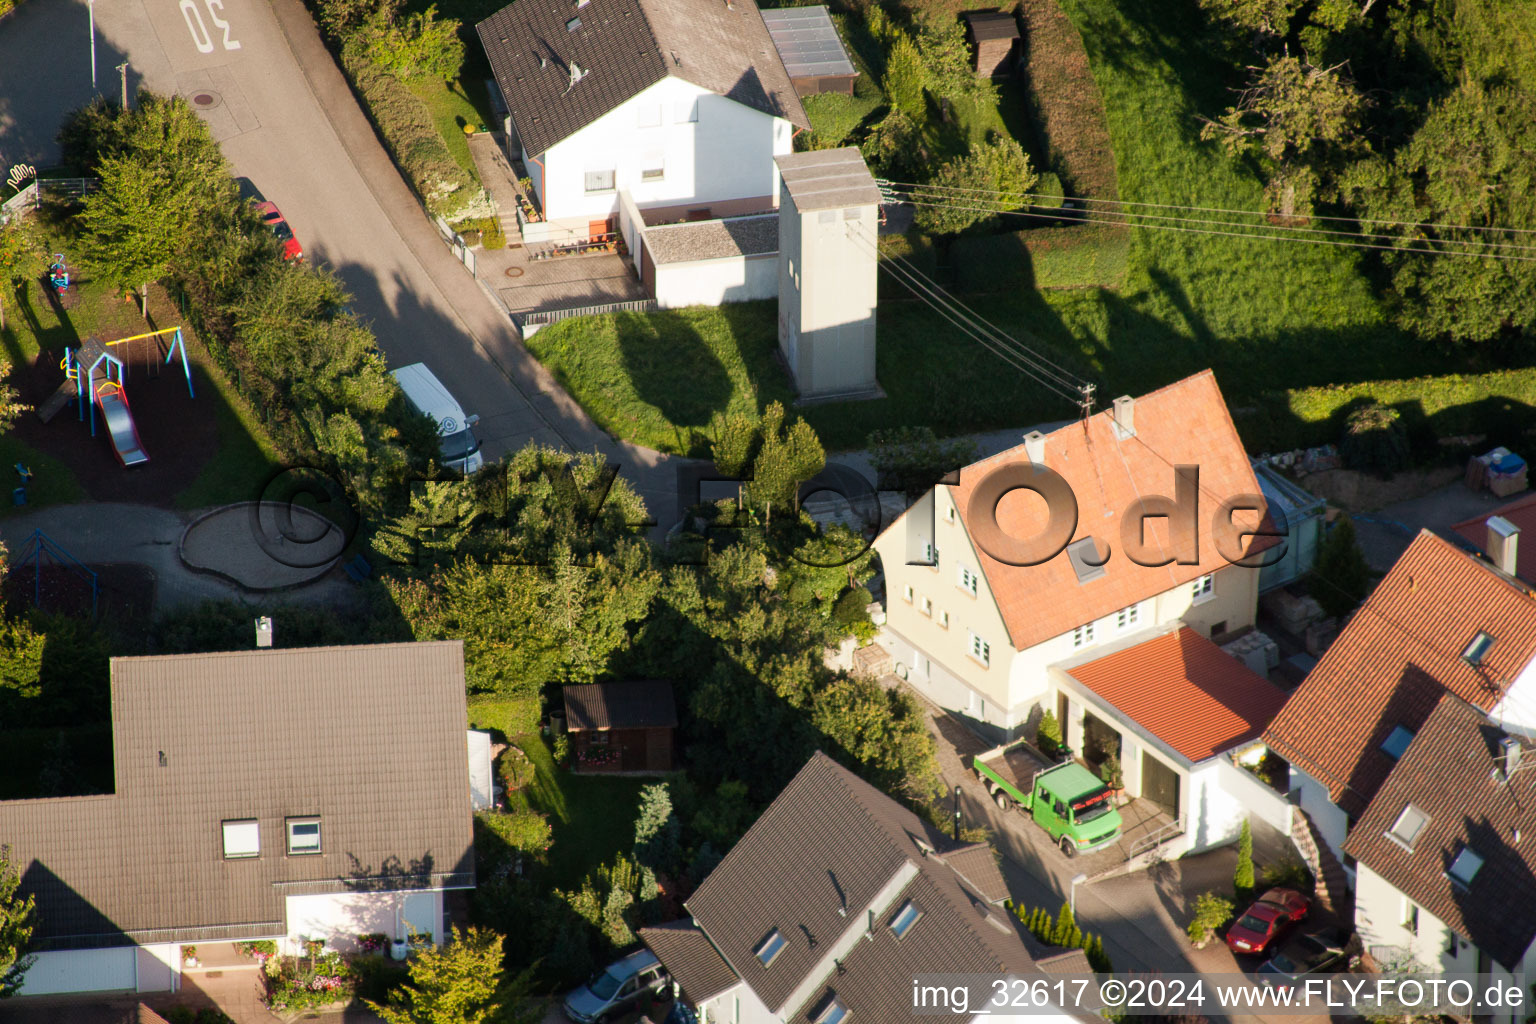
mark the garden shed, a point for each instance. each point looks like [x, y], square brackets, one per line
[624, 726]
[994, 39]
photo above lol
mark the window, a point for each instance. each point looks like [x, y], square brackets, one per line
[1410, 916]
[928, 607]
[981, 650]
[686, 111]
[1465, 867]
[653, 168]
[943, 620]
[949, 514]
[573, 24]
[930, 554]
[599, 181]
[905, 918]
[771, 946]
[1203, 588]
[1408, 826]
[967, 581]
[1082, 636]
[832, 1012]
[303, 835]
[1477, 649]
[242, 838]
[906, 592]
[1128, 617]
[1395, 744]
[1084, 556]
[1453, 943]
[648, 115]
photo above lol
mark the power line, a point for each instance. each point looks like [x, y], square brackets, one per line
[1212, 209]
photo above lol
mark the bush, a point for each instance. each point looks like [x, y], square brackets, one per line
[1290, 873]
[1111, 772]
[1048, 734]
[904, 78]
[1048, 191]
[525, 832]
[1375, 441]
[1211, 912]
[562, 749]
[1341, 579]
[491, 235]
[1242, 877]
[849, 613]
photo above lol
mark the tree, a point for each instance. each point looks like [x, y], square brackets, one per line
[1066, 932]
[1242, 877]
[1048, 733]
[997, 174]
[658, 833]
[461, 983]
[21, 260]
[1376, 441]
[946, 59]
[420, 45]
[905, 78]
[1342, 579]
[772, 456]
[912, 459]
[18, 918]
[1268, 16]
[894, 146]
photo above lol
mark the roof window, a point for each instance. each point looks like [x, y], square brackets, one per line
[1478, 649]
[573, 24]
[1084, 556]
[832, 1011]
[1408, 826]
[1394, 745]
[242, 838]
[1465, 867]
[905, 918]
[772, 945]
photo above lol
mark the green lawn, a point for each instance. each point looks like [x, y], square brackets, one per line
[451, 108]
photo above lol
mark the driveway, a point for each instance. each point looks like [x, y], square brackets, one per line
[285, 118]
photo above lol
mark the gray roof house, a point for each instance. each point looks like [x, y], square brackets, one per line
[266, 794]
[837, 898]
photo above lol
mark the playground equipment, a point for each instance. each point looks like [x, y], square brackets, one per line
[58, 273]
[40, 546]
[119, 418]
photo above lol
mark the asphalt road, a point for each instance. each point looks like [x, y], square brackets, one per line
[285, 119]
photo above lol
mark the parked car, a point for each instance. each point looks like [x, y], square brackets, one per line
[1270, 917]
[278, 225]
[456, 436]
[616, 989]
[1302, 956]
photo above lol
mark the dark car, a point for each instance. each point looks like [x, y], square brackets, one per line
[1270, 917]
[273, 218]
[615, 990]
[1302, 956]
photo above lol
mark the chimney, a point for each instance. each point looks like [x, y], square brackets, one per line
[1503, 543]
[264, 631]
[1125, 417]
[1034, 447]
[1509, 756]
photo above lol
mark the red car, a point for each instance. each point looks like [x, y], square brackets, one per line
[274, 219]
[1271, 915]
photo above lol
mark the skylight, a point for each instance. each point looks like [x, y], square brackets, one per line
[1395, 744]
[905, 918]
[834, 1012]
[1477, 649]
[573, 24]
[1408, 826]
[770, 947]
[1082, 554]
[1465, 867]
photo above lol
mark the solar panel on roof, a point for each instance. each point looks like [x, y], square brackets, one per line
[807, 42]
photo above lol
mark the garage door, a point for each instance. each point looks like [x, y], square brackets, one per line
[81, 970]
[1160, 784]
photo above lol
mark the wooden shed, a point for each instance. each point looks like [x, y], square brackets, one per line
[994, 39]
[621, 727]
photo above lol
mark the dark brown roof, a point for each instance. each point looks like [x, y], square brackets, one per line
[1448, 773]
[992, 25]
[634, 705]
[370, 739]
[625, 47]
[977, 864]
[1186, 691]
[1391, 663]
[693, 963]
[810, 868]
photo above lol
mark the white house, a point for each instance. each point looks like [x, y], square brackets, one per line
[835, 903]
[1446, 866]
[286, 795]
[683, 104]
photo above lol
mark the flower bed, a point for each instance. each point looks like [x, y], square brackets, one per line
[307, 982]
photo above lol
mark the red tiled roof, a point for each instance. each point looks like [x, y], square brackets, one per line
[1521, 513]
[1395, 659]
[1186, 691]
[1186, 423]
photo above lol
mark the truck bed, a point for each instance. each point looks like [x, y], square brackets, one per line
[1016, 764]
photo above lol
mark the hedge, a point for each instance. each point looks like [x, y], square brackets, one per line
[1075, 256]
[1501, 404]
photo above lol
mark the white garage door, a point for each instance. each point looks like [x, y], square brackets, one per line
[80, 970]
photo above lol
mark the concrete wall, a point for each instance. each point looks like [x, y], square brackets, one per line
[339, 917]
[1256, 798]
[712, 282]
[828, 271]
[726, 154]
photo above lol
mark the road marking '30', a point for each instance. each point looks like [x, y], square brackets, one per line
[200, 37]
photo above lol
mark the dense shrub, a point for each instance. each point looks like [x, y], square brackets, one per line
[1375, 441]
[833, 116]
[1211, 912]
[526, 832]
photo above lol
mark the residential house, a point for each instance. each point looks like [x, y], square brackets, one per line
[1446, 854]
[287, 795]
[625, 726]
[681, 104]
[1497, 535]
[1443, 620]
[1000, 643]
[832, 903]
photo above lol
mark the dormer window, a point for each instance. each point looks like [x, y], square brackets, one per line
[242, 838]
[772, 945]
[1408, 826]
[1478, 649]
[905, 918]
[1465, 867]
[1394, 745]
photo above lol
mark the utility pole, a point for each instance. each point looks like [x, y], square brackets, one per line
[957, 812]
[122, 72]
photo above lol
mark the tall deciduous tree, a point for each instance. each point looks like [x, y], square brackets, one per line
[992, 178]
[21, 259]
[461, 983]
[18, 918]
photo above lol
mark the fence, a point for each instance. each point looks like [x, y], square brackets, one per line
[545, 317]
[31, 197]
[461, 250]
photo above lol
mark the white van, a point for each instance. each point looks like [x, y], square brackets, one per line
[461, 448]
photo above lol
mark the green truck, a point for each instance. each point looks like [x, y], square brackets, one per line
[1063, 797]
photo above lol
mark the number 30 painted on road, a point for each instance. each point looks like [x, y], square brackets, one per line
[200, 37]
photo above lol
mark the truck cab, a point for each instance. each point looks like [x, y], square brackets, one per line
[1076, 808]
[458, 444]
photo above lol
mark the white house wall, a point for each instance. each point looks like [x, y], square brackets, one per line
[1517, 711]
[158, 967]
[340, 917]
[1330, 820]
[739, 1005]
[726, 154]
[82, 970]
[1255, 798]
[711, 282]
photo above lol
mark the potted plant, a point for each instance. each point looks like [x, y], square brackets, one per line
[1113, 776]
[189, 955]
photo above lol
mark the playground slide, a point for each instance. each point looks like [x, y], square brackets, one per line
[125, 435]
